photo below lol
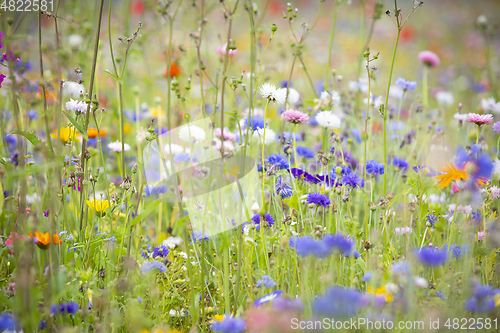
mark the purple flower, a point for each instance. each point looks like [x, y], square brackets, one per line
[160, 251]
[457, 251]
[432, 257]
[267, 298]
[283, 189]
[46, 212]
[306, 246]
[254, 122]
[282, 304]
[229, 325]
[318, 199]
[266, 219]
[374, 168]
[400, 163]
[429, 58]
[496, 127]
[198, 236]
[305, 176]
[341, 243]
[353, 180]
[2, 77]
[338, 302]
[406, 85]
[151, 265]
[483, 299]
[305, 152]
[266, 281]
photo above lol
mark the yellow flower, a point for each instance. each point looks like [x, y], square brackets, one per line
[65, 134]
[218, 317]
[98, 206]
[380, 292]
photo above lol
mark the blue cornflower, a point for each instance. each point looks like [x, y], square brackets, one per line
[266, 219]
[151, 265]
[482, 166]
[160, 251]
[155, 190]
[145, 254]
[340, 242]
[353, 180]
[406, 85]
[400, 163]
[305, 152]
[111, 239]
[457, 251]
[266, 281]
[32, 114]
[305, 176]
[318, 199]
[441, 295]
[277, 160]
[338, 302]
[330, 180]
[483, 299]
[432, 257]
[254, 123]
[374, 168]
[288, 136]
[267, 298]
[198, 236]
[367, 277]
[8, 323]
[307, 246]
[432, 219]
[64, 308]
[229, 325]
[283, 189]
[184, 157]
[356, 135]
[283, 304]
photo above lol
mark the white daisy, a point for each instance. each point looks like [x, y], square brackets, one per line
[228, 145]
[489, 104]
[117, 146]
[335, 98]
[73, 89]
[461, 117]
[270, 135]
[192, 134]
[328, 120]
[270, 92]
[445, 98]
[293, 96]
[173, 149]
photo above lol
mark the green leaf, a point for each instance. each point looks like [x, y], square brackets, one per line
[35, 141]
[2, 198]
[77, 125]
[147, 210]
[113, 76]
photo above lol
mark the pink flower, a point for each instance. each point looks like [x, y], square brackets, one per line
[295, 117]
[480, 119]
[455, 189]
[429, 58]
[467, 210]
[221, 49]
[228, 135]
[403, 231]
[481, 234]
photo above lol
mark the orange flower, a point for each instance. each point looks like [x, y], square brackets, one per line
[93, 132]
[55, 239]
[174, 70]
[44, 239]
[451, 173]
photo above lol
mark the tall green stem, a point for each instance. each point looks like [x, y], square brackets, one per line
[332, 33]
[387, 109]
[263, 161]
[425, 88]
